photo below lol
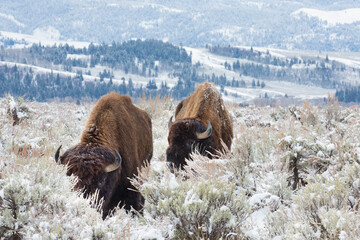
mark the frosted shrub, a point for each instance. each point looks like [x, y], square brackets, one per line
[332, 111]
[38, 197]
[327, 194]
[281, 187]
[325, 223]
[37, 202]
[306, 114]
[319, 201]
[16, 110]
[319, 212]
[287, 223]
[201, 202]
[302, 156]
[351, 176]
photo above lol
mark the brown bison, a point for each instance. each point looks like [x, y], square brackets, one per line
[117, 140]
[202, 122]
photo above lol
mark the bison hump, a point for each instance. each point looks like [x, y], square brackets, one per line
[91, 133]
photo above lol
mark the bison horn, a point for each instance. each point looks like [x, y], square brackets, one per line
[170, 121]
[114, 166]
[205, 134]
[57, 154]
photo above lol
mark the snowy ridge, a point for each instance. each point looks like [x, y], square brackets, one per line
[38, 36]
[346, 16]
[11, 18]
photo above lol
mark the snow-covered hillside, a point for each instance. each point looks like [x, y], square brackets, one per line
[212, 63]
[41, 36]
[192, 23]
[346, 16]
[209, 64]
[292, 173]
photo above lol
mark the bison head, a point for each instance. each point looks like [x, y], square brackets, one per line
[95, 167]
[186, 135]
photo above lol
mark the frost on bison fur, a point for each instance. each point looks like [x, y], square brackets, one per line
[117, 140]
[201, 122]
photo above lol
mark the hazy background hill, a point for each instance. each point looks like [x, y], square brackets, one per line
[280, 24]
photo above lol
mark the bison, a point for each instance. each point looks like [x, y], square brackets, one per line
[202, 122]
[116, 141]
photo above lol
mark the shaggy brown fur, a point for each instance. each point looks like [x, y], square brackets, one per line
[191, 116]
[114, 124]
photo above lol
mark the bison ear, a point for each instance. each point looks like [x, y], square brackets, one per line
[114, 166]
[170, 121]
[57, 154]
[205, 134]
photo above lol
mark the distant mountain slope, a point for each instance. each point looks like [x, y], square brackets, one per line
[136, 67]
[192, 23]
[331, 18]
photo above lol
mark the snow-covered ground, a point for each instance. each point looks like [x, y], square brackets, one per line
[292, 173]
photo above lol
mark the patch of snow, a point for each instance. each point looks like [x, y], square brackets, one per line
[160, 7]
[259, 199]
[356, 184]
[12, 104]
[12, 18]
[47, 33]
[258, 218]
[163, 8]
[320, 154]
[173, 183]
[151, 24]
[298, 148]
[37, 37]
[224, 208]
[288, 139]
[346, 16]
[343, 235]
[152, 234]
[191, 198]
[78, 57]
[330, 147]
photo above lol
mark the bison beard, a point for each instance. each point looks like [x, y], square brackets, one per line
[116, 142]
[201, 122]
[96, 169]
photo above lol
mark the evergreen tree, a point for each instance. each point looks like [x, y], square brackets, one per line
[262, 84]
[151, 85]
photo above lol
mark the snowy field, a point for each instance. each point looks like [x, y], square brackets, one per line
[292, 173]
